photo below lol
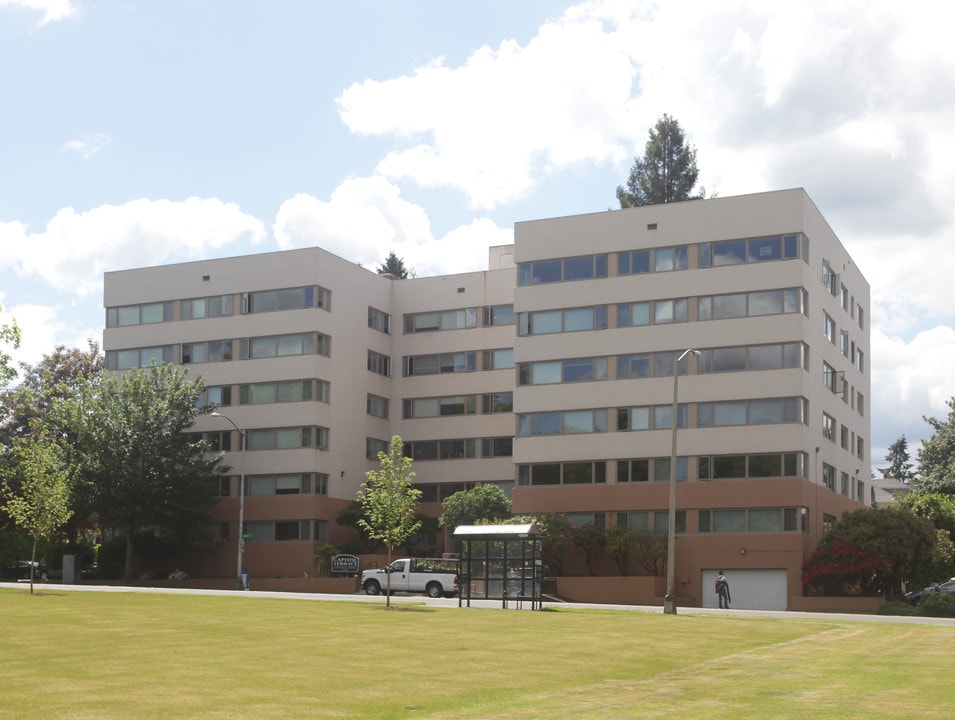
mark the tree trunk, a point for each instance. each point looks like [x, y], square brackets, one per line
[128, 570]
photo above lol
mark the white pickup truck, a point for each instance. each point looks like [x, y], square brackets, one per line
[433, 576]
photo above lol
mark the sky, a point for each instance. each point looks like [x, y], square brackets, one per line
[144, 133]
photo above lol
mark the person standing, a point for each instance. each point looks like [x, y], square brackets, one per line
[723, 590]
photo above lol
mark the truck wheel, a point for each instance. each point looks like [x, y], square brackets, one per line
[372, 587]
[435, 590]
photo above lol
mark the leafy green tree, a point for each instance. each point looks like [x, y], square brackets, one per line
[620, 547]
[138, 465]
[467, 507]
[936, 457]
[591, 541]
[906, 543]
[666, 173]
[351, 516]
[898, 458]
[394, 265]
[557, 533]
[937, 508]
[9, 335]
[390, 502]
[37, 493]
[428, 528]
[650, 551]
[56, 377]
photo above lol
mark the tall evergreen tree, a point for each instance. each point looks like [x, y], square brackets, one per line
[666, 173]
[393, 265]
[898, 458]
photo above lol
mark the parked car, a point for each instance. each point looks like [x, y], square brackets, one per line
[914, 597]
[20, 570]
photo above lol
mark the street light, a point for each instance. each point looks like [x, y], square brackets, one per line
[669, 602]
[239, 579]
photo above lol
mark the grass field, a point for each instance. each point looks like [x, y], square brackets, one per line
[81, 655]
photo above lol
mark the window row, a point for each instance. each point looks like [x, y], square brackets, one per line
[221, 350]
[502, 402]
[288, 484]
[665, 259]
[753, 520]
[501, 359]
[266, 392]
[219, 306]
[287, 438]
[287, 530]
[567, 473]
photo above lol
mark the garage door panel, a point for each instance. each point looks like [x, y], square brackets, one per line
[749, 589]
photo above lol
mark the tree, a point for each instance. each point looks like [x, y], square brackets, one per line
[937, 508]
[620, 547]
[351, 516]
[899, 466]
[9, 334]
[38, 498]
[138, 466]
[666, 173]
[467, 507]
[557, 533]
[591, 540]
[390, 502]
[936, 457]
[650, 550]
[394, 265]
[901, 547]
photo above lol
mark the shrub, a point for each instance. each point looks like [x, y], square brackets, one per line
[896, 608]
[936, 604]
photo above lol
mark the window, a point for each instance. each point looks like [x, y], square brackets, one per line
[440, 449]
[138, 357]
[502, 359]
[659, 312]
[829, 476]
[556, 321]
[373, 446]
[215, 395]
[287, 438]
[497, 447]
[860, 448]
[754, 520]
[499, 315]
[296, 484]
[284, 391]
[440, 406]
[379, 320]
[860, 403]
[844, 342]
[584, 267]
[435, 364]
[830, 279]
[572, 473]
[654, 417]
[657, 521]
[146, 314]
[502, 402]
[754, 357]
[633, 263]
[284, 530]
[828, 427]
[216, 306]
[562, 371]
[734, 252]
[285, 345]
[752, 412]
[377, 406]
[287, 299]
[440, 320]
[378, 363]
[571, 422]
[754, 304]
[647, 469]
[667, 259]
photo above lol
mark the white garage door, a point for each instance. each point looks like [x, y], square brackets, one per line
[749, 589]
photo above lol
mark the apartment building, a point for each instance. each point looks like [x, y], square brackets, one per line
[550, 374]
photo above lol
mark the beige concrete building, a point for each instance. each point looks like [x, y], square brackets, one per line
[551, 374]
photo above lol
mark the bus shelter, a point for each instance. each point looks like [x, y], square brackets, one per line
[500, 562]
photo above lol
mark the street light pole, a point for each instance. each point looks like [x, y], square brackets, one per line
[669, 602]
[239, 579]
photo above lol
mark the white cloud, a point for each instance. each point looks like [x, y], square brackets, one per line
[366, 218]
[87, 147]
[74, 249]
[52, 9]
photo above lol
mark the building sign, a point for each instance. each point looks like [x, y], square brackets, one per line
[344, 564]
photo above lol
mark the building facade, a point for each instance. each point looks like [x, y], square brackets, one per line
[550, 374]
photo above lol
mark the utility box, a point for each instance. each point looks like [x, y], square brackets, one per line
[71, 570]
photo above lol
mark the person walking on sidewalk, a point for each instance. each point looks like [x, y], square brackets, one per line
[723, 590]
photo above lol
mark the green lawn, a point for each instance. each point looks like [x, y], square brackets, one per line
[81, 655]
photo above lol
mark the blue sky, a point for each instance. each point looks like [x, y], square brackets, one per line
[143, 133]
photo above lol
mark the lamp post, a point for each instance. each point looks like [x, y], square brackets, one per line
[239, 580]
[669, 602]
